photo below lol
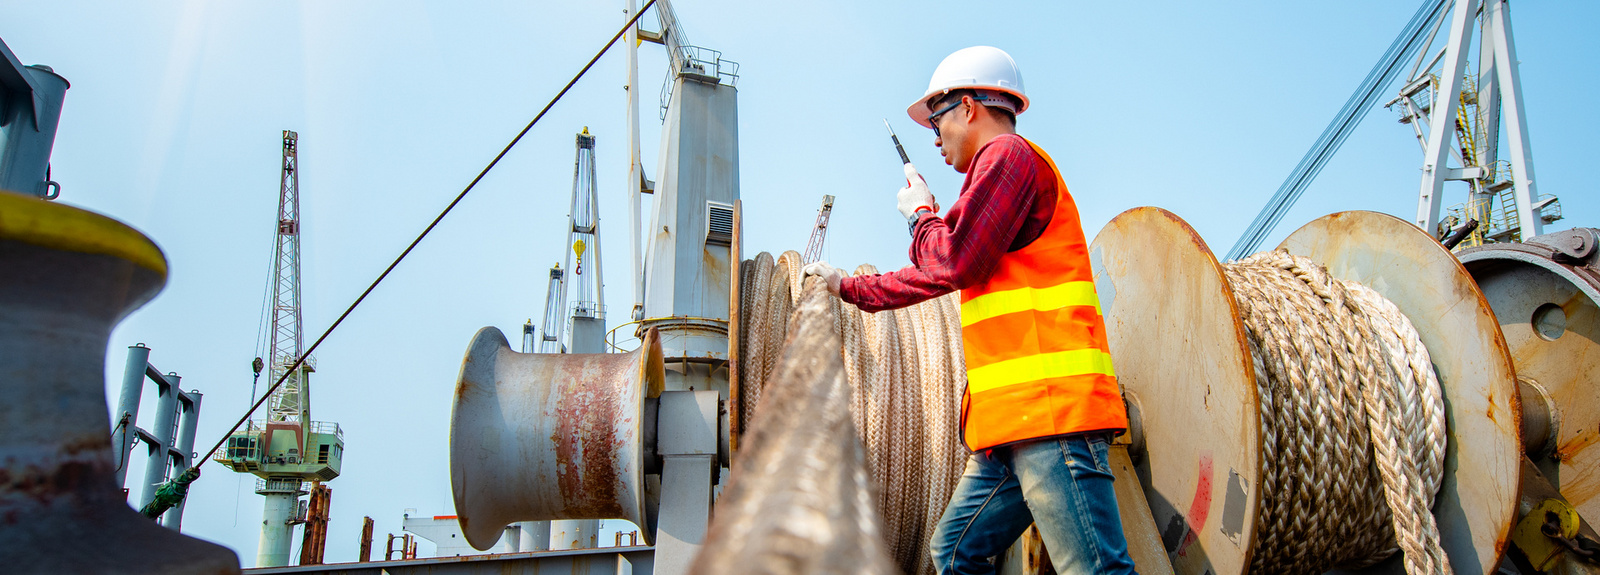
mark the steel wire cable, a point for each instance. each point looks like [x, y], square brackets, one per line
[906, 374]
[470, 185]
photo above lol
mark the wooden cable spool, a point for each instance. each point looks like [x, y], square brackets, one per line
[1183, 358]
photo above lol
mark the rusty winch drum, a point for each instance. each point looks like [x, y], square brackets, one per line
[536, 437]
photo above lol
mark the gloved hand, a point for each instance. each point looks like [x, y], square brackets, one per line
[915, 195]
[830, 275]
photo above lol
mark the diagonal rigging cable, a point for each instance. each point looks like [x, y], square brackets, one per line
[300, 360]
[1345, 122]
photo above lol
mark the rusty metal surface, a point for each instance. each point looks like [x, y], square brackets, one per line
[61, 509]
[1476, 505]
[536, 437]
[1548, 314]
[1177, 343]
[735, 276]
[799, 499]
[607, 561]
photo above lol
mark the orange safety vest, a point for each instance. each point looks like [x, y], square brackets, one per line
[1037, 359]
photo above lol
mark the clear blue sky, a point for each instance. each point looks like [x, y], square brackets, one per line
[172, 125]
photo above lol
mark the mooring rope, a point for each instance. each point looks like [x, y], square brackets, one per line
[906, 374]
[1352, 421]
[800, 497]
[1352, 417]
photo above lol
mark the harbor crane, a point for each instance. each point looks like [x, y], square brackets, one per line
[289, 453]
[1457, 116]
[583, 262]
[819, 232]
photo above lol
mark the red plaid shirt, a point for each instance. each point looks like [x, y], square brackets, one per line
[1005, 203]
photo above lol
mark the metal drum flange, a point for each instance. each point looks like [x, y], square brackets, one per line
[1180, 350]
[1477, 502]
[1546, 297]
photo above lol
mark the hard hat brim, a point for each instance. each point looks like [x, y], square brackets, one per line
[919, 110]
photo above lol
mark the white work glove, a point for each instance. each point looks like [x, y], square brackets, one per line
[830, 275]
[915, 195]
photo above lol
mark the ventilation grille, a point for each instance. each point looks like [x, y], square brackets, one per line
[719, 224]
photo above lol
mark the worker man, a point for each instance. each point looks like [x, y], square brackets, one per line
[1041, 401]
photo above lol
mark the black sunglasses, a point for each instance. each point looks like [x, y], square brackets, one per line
[933, 119]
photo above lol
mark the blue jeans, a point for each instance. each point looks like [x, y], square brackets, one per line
[1062, 484]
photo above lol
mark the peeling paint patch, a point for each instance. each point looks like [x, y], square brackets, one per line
[1233, 507]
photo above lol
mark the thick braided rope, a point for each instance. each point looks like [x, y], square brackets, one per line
[906, 371]
[1352, 421]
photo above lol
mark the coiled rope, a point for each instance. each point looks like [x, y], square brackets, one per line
[906, 374]
[1352, 421]
[1352, 416]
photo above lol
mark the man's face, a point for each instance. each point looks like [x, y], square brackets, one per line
[951, 132]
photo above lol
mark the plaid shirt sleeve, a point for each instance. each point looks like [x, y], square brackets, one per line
[961, 249]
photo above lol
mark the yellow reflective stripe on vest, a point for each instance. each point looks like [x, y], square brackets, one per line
[1028, 299]
[1038, 367]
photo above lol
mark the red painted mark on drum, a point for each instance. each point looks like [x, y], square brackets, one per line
[1201, 506]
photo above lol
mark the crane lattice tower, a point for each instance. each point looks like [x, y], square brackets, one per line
[287, 451]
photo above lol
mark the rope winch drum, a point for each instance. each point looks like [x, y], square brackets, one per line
[547, 436]
[1289, 420]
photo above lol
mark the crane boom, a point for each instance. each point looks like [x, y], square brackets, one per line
[582, 270]
[288, 403]
[819, 233]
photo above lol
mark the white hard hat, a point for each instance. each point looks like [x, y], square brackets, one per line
[980, 68]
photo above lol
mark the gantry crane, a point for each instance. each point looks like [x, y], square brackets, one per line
[291, 454]
[1457, 116]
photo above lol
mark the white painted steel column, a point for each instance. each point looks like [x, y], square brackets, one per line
[128, 405]
[535, 536]
[1441, 122]
[635, 170]
[574, 534]
[276, 532]
[1521, 151]
[160, 458]
[1488, 97]
[687, 439]
[183, 458]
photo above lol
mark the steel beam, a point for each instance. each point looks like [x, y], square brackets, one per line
[1441, 124]
[1520, 150]
[688, 447]
[155, 471]
[126, 419]
[182, 452]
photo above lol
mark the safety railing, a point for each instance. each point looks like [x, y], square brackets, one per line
[282, 485]
[588, 309]
[327, 427]
[700, 62]
[611, 336]
[1551, 211]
